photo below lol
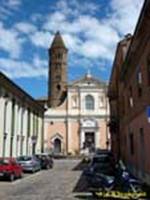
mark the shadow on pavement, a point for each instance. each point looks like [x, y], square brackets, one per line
[81, 166]
[82, 185]
[85, 197]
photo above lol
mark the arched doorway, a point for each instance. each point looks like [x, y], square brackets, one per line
[57, 145]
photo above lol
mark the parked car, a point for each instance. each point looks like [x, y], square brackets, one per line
[102, 163]
[29, 163]
[103, 158]
[46, 160]
[10, 169]
[103, 151]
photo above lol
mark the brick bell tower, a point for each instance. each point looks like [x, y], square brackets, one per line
[57, 85]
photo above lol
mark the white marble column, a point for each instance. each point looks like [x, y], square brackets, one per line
[8, 127]
[69, 136]
[2, 103]
[15, 131]
[18, 131]
[97, 139]
[82, 139]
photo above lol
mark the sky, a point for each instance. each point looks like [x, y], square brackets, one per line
[90, 30]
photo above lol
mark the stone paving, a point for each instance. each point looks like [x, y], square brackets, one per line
[60, 183]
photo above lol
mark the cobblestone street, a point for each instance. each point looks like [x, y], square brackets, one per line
[60, 183]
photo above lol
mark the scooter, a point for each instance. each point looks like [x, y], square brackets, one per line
[126, 181]
[129, 184]
[102, 182]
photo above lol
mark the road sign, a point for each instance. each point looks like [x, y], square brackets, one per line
[148, 113]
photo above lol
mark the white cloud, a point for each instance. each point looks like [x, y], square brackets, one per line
[13, 3]
[75, 7]
[72, 42]
[17, 68]
[86, 34]
[98, 40]
[90, 49]
[36, 17]
[41, 39]
[8, 7]
[125, 15]
[10, 41]
[25, 27]
[39, 63]
[88, 37]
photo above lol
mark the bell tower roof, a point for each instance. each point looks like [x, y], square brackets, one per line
[58, 41]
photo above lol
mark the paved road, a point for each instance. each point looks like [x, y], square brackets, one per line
[60, 183]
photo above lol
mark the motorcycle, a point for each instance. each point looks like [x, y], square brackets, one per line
[121, 181]
[105, 182]
[126, 181]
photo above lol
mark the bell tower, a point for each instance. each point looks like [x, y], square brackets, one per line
[57, 72]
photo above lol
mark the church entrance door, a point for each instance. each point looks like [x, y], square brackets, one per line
[90, 141]
[57, 145]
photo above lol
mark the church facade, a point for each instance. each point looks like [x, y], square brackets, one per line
[78, 112]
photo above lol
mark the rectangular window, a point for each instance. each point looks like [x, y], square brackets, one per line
[89, 102]
[123, 105]
[139, 77]
[142, 151]
[139, 91]
[131, 143]
[139, 82]
[131, 101]
[148, 71]
[130, 97]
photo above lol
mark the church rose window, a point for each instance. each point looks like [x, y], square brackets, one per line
[89, 102]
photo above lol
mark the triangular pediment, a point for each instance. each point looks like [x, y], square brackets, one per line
[88, 81]
[56, 136]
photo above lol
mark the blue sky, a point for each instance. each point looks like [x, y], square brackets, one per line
[90, 29]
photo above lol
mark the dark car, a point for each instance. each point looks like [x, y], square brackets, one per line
[46, 160]
[102, 163]
[103, 158]
[10, 169]
[29, 163]
[103, 151]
